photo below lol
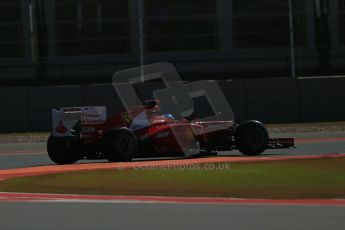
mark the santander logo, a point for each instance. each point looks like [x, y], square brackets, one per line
[61, 128]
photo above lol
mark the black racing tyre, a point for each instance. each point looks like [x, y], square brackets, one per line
[251, 138]
[63, 151]
[120, 145]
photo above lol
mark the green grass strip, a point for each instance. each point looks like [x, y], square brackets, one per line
[320, 178]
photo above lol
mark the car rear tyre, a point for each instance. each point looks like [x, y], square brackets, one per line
[251, 138]
[120, 145]
[63, 151]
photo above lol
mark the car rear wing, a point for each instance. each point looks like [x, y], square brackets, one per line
[66, 118]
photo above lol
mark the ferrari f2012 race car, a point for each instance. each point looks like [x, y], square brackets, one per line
[87, 133]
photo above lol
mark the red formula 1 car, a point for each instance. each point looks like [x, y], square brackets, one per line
[87, 133]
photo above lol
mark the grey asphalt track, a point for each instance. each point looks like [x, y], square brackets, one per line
[54, 216]
[28, 155]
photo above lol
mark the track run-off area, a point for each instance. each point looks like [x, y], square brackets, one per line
[42, 166]
[65, 211]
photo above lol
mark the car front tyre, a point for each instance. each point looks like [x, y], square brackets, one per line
[251, 138]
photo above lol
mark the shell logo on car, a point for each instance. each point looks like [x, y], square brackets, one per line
[61, 128]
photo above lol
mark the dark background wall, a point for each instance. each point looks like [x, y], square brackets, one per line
[76, 41]
[81, 43]
[270, 101]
